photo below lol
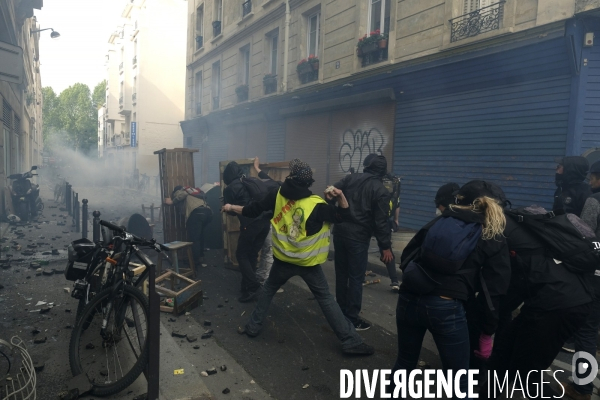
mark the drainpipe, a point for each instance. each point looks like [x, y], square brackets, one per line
[287, 45]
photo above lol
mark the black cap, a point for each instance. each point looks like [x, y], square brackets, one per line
[595, 168]
[445, 194]
[477, 188]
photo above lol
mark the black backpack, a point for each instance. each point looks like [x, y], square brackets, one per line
[566, 237]
[258, 188]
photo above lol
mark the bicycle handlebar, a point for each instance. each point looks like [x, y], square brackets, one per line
[112, 226]
[139, 241]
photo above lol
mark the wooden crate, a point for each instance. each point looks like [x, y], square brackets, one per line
[176, 167]
[231, 226]
[185, 299]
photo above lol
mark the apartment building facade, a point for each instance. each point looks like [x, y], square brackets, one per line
[145, 85]
[447, 90]
[21, 118]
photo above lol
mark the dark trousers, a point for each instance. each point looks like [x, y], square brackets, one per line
[391, 267]
[531, 342]
[447, 322]
[314, 277]
[195, 225]
[250, 242]
[586, 339]
[351, 258]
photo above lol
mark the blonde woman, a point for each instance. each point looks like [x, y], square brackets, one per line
[439, 280]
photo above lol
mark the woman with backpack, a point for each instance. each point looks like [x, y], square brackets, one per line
[443, 264]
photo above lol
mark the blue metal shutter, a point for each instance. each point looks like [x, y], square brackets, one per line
[591, 112]
[276, 140]
[507, 134]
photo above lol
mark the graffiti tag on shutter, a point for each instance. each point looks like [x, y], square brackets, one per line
[356, 145]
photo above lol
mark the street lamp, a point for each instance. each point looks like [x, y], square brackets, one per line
[53, 35]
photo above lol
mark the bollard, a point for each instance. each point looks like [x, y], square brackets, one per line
[153, 336]
[152, 213]
[68, 197]
[96, 226]
[76, 213]
[84, 219]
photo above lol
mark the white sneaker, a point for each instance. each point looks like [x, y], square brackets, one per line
[280, 290]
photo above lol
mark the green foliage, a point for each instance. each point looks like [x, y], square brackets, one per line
[99, 95]
[71, 118]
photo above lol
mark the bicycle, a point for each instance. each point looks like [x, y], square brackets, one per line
[109, 341]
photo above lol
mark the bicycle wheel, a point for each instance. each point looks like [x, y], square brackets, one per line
[114, 362]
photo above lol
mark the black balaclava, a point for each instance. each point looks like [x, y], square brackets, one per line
[232, 172]
[575, 169]
[301, 172]
[375, 164]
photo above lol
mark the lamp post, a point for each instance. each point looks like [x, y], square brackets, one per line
[53, 35]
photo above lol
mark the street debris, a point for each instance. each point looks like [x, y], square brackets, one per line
[371, 282]
[178, 372]
[191, 339]
[178, 334]
[207, 323]
[211, 371]
[209, 331]
[188, 313]
[196, 347]
[39, 366]
[90, 346]
[206, 336]
[40, 303]
[226, 391]
[67, 290]
[45, 310]
[40, 340]
[35, 332]
[223, 367]
[305, 386]
[241, 330]
[172, 320]
[305, 368]
[243, 313]
[203, 373]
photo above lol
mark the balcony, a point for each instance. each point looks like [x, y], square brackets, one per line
[198, 108]
[121, 101]
[246, 8]
[215, 102]
[134, 61]
[216, 28]
[134, 98]
[199, 42]
[485, 19]
[121, 67]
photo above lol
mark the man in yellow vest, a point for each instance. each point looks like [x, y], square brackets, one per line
[301, 233]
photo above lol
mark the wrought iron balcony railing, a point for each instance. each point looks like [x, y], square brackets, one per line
[198, 108]
[246, 8]
[120, 66]
[485, 19]
[134, 60]
[121, 100]
[134, 97]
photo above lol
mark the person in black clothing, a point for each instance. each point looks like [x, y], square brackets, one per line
[253, 232]
[369, 208]
[444, 197]
[555, 302]
[571, 192]
[441, 310]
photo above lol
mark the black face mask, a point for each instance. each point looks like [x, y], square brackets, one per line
[559, 179]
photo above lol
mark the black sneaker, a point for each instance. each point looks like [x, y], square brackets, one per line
[362, 349]
[250, 332]
[569, 347]
[395, 287]
[362, 325]
[248, 297]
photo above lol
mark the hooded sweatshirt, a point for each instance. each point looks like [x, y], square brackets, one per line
[235, 193]
[572, 191]
[369, 205]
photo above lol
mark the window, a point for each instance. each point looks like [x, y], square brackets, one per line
[314, 30]
[474, 5]
[199, 27]
[198, 92]
[216, 84]
[245, 58]
[218, 10]
[379, 15]
[246, 7]
[274, 44]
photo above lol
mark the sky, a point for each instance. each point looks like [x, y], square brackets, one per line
[78, 55]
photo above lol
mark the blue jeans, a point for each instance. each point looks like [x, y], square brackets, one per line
[351, 259]
[586, 339]
[447, 322]
[317, 283]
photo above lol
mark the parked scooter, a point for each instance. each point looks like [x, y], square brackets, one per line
[26, 196]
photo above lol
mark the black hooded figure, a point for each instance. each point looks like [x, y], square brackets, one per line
[571, 192]
[253, 232]
[369, 202]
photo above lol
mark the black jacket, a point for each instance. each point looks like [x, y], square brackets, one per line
[572, 192]
[236, 193]
[292, 191]
[369, 204]
[490, 259]
[536, 279]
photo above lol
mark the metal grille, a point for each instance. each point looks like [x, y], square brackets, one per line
[476, 22]
[6, 114]
[17, 127]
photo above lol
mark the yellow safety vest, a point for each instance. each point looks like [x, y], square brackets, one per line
[290, 243]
